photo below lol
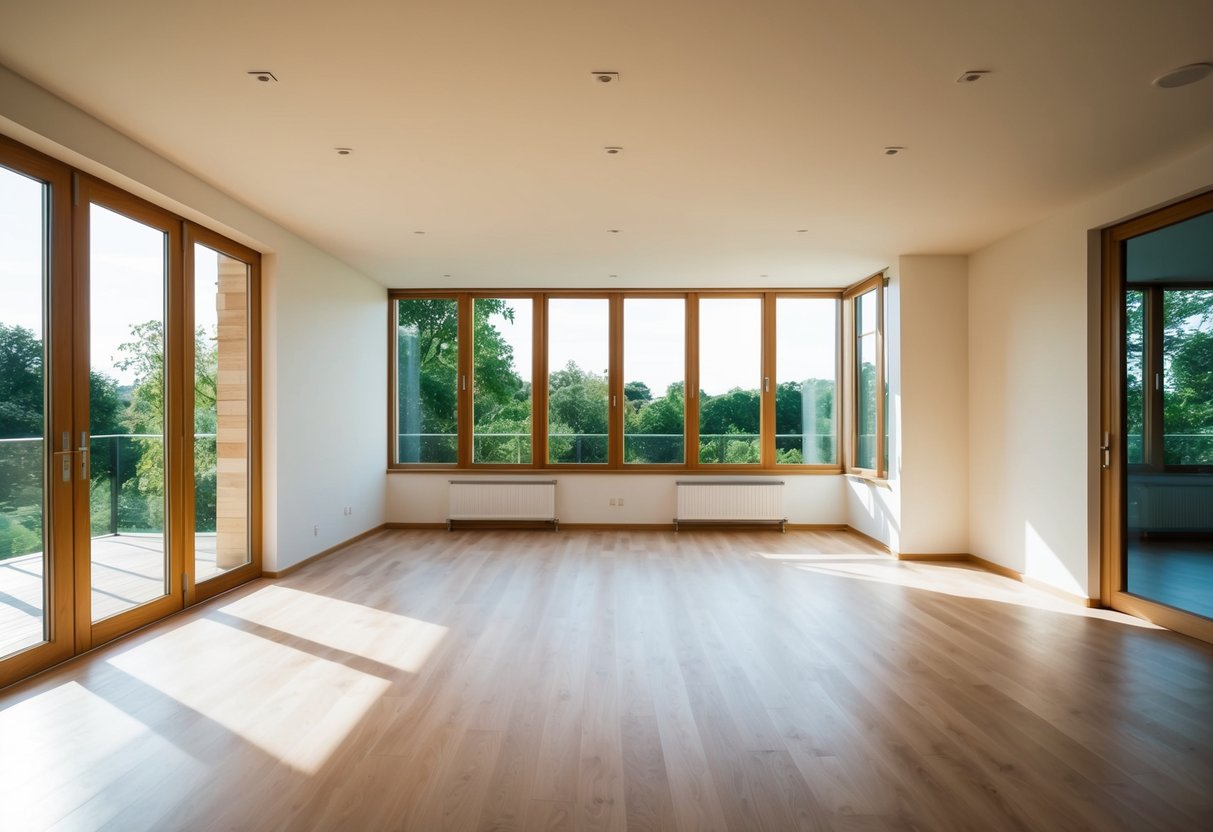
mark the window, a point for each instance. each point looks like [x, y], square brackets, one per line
[868, 379]
[806, 355]
[502, 340]
[730, 380]
[1187, 377]
[579, 357]
[616, 380]
[427, 378]
[654, 387]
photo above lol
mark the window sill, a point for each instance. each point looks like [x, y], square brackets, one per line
[665, 470]
[870, 479]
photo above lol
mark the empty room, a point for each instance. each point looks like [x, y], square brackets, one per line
[669, 415]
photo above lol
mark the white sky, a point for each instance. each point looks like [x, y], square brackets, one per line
[127, 273]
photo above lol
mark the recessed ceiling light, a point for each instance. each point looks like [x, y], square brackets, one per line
[446, 275]
[612, 230]
[343, 151]
[893, 150]
[605, 77]
[971, 75]
[763, 275]
[613, 150]
[418, 232]
[802, 231]
[1183, 76]
[263, 75]
[612, 275]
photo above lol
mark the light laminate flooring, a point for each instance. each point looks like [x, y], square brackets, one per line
[617, 680]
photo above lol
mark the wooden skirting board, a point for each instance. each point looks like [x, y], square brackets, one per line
[944, 557]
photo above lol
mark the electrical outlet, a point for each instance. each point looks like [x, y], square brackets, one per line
[619, 502]
[611, 501]
[315, 531]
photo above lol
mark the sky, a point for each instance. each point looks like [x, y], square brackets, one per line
[127, 273]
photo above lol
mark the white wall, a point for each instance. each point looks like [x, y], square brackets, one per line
[584, 498]
[934, 413]
[324, 397]
[1034, 386]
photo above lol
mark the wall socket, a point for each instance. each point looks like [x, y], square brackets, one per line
[615, 501]
[348, 511]
[315, 531]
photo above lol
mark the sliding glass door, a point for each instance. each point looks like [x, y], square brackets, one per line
[128, 518]
[36, 459]
[1158, 441]
[128, 413]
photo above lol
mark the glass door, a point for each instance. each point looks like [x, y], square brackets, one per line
[1159, 552]
[128, 514]
[35, 453]
[221, 488]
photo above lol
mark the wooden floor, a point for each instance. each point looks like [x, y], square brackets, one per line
[645, 681]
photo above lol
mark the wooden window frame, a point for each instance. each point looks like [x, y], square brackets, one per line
[539, 387]
[874, 283]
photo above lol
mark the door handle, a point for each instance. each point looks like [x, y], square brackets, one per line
[83, 451]
[1106, 450]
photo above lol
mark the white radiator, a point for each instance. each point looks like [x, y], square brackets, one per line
[1171, 506]
[502, 500]
[730, 501]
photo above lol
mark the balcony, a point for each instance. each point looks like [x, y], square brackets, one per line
[127, 542]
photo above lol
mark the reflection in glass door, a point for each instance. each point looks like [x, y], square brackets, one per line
[23, 451]
[128, 548]
[1167, 381]
[221, 478]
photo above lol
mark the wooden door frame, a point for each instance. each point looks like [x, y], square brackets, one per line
[58, 608]
[88, 191]
[1113, 475]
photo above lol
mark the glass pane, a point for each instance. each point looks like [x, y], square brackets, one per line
[805, 362]
[730, 373]
[221, 413]
[1168, 509]
[22, 413]
[501, 403]
[1187, 385]
[865, 394]
[427, 380]
[654, 363]
[578, 362]
[884, 311]
[865, 313]
[1134, 375]
[127, 266]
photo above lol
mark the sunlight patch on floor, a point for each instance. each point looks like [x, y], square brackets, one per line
[388, 638]
[46, 741]
[962, 582]
[290, 704]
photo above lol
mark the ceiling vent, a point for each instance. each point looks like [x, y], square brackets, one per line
[606, 77]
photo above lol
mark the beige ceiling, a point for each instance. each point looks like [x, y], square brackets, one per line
[479, 123]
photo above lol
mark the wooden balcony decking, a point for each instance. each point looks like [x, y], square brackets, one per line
[128, 570]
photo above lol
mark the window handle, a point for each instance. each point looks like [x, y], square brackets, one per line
[463, 382]
[1106, 450]
[614, 401]
[766, 384]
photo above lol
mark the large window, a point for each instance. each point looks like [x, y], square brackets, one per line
[579, 357]
[427, 380]
[654, 386]
[869, 450]
[806, 355]
[502, 340]
[633, 380]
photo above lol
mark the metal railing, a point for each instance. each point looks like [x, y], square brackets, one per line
[793, 448]
[113, 460]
